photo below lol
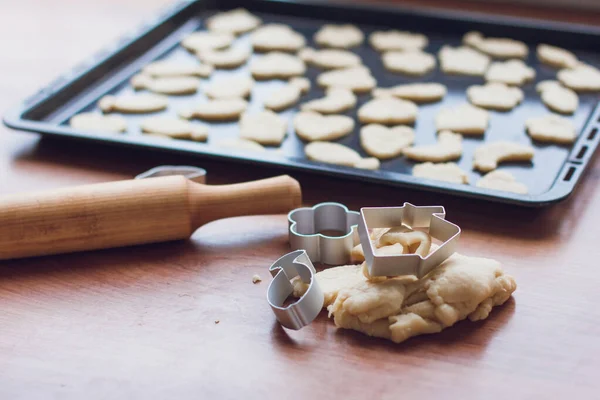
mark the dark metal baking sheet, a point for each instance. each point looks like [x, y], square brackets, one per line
[551, 177]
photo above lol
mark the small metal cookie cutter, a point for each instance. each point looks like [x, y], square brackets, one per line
[195, 174]
[305, 225]
[432, 217]
[304, 310]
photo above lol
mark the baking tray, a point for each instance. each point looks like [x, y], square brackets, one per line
[551, 177]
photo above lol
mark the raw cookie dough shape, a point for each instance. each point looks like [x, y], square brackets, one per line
[312, 126]
[174, 128]
[95, 122]
[166, 69]
[237, 87]
[235, 22]
[277, 65]
[414, 63]
[447, 172]
[447, 148]
[551, 128]
[395, 40]
[357, 79]
[336, 100]
[465, 119]
[502, 180]
[276, 37]
[495, 96]
[287, 95]
[582, 78]
[557, 97]
[239, 144]
[496, 47]
[417, 92]
[335, 153]
[265, 127]
[330, 58]
[556, 57]
[206, 40]
[487, 156]
[133, 103]
[388, 111]
[173, 85]
[463, 61]
[224, 59]
[511, 72]
[216, 110]
[340, 36]
[383, 142]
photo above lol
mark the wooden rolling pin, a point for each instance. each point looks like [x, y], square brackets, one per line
[130, 212]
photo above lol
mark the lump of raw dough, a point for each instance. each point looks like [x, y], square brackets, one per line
[331, 281]
[336, 100]
[330, 58]
[417, 92]
[312, 126]
[388, 111]
[416, 63]
[502, 180]
[341, 36]
[165, 69]
[448, 172]
[357, 79]
[236, 21]
[551, 128]
[205, 40]
[94, 122]
[395, 40]
[383, 142]
[556, 56]
[171, 85]
[276, 37]
[133, 103]
[216, 110]
[463, 61]
[277, 65]
[335, 153]
[229, 88]
[495, 96]
[582, 78]
[174, 128]
[265, 127]
[557, 97]
[465, 119]
[487, 156]
[447, 148]
[496, 47]
[511, 72]
[226, 59]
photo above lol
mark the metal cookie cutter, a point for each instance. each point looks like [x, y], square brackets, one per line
[305, 225]
[192, 173]
[432, 217]
[305, 309]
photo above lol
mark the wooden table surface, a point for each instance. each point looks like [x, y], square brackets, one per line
[140, 322]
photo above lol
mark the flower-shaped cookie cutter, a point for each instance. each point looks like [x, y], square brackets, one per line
[306, 227]
[304, 310]
[432, 217]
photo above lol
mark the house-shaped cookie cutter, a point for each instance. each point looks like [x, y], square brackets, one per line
[432, 217]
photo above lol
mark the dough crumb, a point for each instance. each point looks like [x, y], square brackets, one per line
[256, 278]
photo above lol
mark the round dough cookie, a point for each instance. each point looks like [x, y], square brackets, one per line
[174, 85]
[417, 92]
[463, 61]
[133, 103]
[94, 122]
[511, 72]
[582, 78]
[239, 144]
[204, 40]
[465, 119]
[216, 110]
[235, 22]
[330, 58]
[287, 95]
[502, 180]
[415, 63]
[447, 172]
[447, 148]
[335, 153]
[225, 59]
[174, 128]
[312, 126]
[496, 47]
[551, 128]
[495, 96]
[230, 88]
[388, 111]
[357, 79]
[395, 40]
[487, 156]
[277, 65]
[557, 97]
[168, 69]
[265, 127]
[383, 142]
[341, 36]
[556, 56]
[336, 100]
[277, 37]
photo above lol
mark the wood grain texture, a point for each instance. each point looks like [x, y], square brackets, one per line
[140, 322]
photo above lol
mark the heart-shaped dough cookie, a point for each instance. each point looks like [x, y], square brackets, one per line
[388, 111]
[287, 95]
[465, 119]
[336, 100]
[557, 97]
[133, 103]
[463, 61]
[276, 37]
[277, 65]
[266, 127]
[487, 156]
[235, 22]
[383, 142]
[172, 85]
[556, 56]
[94, 122]
[502, 180]
[166, 69]
[330, 58]
[205, 40]
[342, 36]
[174, 128]
[312, 126]
[551, 128]
[417, 92]
[237, 87]
[216, 110]
[335, 153]
[416, 63]
[495, 96]
[582, 78]
[394, 40]
[447, 172]
[511, 72]
[496, 47]
[357, 79]
[447, 148]
[226, 59]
